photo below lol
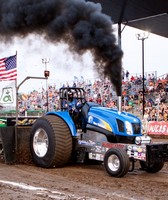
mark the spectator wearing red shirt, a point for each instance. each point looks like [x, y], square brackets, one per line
[132, 79]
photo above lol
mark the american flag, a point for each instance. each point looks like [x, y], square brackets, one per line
[8, 69]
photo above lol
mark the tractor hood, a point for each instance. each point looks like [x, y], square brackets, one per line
[110, 114]
[114, 121]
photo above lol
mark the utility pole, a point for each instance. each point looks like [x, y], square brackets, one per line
[45, 61]
[143, 36]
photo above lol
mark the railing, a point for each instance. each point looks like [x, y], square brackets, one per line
[12, 113]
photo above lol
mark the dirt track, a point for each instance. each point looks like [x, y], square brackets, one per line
[80, 182]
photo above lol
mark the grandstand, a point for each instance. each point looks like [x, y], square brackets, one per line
[102, 92]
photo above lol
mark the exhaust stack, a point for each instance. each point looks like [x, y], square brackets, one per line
[119, 103]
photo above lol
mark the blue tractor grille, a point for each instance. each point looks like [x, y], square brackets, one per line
[136, 128]
[120, 125]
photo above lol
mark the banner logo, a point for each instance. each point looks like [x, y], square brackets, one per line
[158, 128]
[7, 96]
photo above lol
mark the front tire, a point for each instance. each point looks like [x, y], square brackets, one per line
[152, 168]
[50, 142]
[116, 162]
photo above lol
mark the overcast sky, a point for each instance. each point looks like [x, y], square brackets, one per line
[155, 52]
[63, 66]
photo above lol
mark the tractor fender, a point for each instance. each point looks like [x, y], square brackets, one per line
[68, 120]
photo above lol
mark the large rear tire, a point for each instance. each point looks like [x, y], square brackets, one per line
[116, 162]
[152, 168]
[50, 142]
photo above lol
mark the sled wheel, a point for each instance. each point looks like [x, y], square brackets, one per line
[116, 162]
[50, 142]
[152, 168]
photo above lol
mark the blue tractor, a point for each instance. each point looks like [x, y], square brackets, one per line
[83, 131]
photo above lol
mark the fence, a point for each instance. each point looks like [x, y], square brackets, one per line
[12, 113]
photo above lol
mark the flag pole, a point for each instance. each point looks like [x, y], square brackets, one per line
[16, 138]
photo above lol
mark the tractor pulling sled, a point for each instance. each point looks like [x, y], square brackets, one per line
[80, 132]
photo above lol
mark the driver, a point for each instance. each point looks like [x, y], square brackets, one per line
[73, 104]
[74, 107]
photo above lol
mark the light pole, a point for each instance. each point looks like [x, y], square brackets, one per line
[143, 36]
[45, 61]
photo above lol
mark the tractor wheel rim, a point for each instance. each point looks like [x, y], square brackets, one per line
[40, 142]
[113, 162]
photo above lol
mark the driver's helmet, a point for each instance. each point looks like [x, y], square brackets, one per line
[70, 95]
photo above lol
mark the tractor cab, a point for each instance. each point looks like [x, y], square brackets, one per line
[69, 95]
[72, 99]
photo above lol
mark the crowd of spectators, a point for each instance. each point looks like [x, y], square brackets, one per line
[102, 92]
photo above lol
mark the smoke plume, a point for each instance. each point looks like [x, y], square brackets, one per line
[79, 23]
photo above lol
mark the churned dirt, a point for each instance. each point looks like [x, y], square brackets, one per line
[79, 182]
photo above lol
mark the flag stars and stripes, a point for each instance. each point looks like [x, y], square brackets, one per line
[8, 70]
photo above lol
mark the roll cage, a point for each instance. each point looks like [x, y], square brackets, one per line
[78, 94]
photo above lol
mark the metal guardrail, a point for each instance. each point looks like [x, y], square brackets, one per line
[6, 113]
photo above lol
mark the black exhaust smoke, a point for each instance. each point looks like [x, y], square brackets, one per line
[79, 23]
